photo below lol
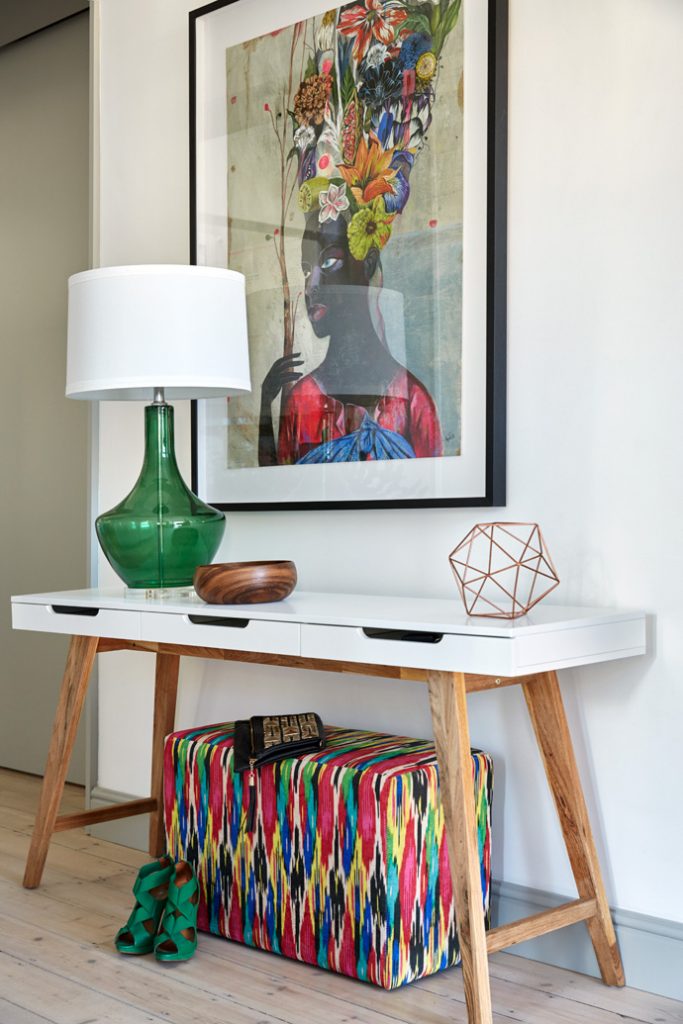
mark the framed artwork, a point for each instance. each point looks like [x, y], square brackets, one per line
[351, 163]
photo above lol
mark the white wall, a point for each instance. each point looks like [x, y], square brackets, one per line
[595, 377]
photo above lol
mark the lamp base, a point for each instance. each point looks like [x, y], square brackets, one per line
[157, 536]
[163, 593]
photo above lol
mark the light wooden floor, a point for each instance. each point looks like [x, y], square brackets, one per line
[58, 964]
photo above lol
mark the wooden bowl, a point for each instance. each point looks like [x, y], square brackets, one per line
[244, 582]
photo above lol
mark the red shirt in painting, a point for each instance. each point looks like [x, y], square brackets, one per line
[310, 417]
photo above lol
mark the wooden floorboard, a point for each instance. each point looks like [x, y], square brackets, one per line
[58, 964]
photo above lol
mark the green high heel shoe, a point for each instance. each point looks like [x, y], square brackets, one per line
[150, 891]
[177, 938]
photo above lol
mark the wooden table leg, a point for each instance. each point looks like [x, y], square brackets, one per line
[448, 702]
[79, 663]
[165, 693]
[544, 701]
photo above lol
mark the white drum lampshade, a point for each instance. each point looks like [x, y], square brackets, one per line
[144, 332]
[134, 329]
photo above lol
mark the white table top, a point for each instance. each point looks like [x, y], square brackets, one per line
[424, 633]
[374, 611]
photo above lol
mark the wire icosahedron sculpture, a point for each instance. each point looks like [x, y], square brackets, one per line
[503, 569]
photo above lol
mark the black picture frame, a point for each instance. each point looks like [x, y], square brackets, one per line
[496, 285]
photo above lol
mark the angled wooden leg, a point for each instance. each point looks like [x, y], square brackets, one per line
[451, 733]
[79, 663]
[548, 718]
[165, 692]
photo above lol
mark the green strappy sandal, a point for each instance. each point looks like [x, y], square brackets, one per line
[177, 938]
[150, 891]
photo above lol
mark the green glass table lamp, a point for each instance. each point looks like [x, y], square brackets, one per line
[158, 332]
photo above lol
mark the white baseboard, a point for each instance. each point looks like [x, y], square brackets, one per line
[651, 947]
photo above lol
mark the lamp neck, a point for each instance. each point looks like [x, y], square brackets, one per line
[159, 397]
[159, 438]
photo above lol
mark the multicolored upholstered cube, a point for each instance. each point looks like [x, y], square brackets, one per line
[346, 867]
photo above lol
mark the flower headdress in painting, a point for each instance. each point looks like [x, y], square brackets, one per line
[363, 109]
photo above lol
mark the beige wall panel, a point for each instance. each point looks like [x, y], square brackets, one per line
[43, 437]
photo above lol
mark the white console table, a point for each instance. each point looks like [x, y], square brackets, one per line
[432, 641]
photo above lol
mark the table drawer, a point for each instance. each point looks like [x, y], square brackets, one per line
[205, 630]
[567, 647]
[408, 649]
[77, 621]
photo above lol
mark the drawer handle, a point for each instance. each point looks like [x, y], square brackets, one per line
[218, 620]
[411, 636]
[69, 609]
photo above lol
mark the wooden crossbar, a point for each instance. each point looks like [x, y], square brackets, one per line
[99, 814]
[540, 924]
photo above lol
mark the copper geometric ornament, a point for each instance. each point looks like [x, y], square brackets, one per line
[503, 569]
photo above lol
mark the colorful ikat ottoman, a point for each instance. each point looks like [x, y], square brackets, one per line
[346, 867]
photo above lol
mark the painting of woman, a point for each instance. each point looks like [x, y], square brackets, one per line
[334, 136]
[351, 165]
[360, 402]
[359, 120]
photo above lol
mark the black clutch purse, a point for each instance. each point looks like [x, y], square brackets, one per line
[267, 738]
